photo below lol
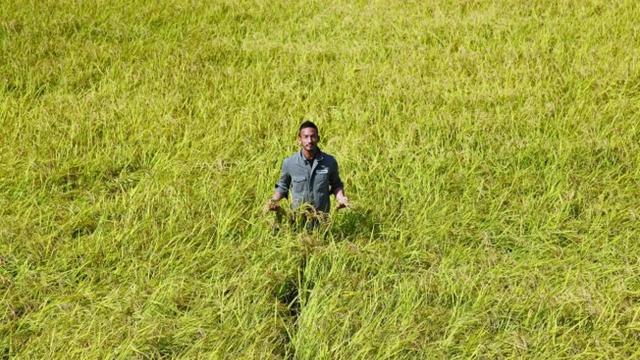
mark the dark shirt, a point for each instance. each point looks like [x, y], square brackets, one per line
[309, 181]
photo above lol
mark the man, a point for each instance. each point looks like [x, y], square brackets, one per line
[310, 175]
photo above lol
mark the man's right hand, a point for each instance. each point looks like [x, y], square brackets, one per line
[272, 205]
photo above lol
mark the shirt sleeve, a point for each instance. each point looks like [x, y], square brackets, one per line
[334, 179]
[282, 186]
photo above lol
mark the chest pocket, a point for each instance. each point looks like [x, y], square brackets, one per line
[321, 180]
[298, 183]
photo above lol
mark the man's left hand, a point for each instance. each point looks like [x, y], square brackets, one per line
[343, 201]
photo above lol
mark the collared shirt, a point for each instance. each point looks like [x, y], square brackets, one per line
[309, 181]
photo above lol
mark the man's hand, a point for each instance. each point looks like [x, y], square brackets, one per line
[341, 198]
[272, 205]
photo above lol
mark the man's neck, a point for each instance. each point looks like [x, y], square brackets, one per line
[309, 155]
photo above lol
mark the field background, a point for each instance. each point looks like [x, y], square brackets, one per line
[490, 148]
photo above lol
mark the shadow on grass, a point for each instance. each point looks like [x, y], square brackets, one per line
[292, 293]
[287, 295]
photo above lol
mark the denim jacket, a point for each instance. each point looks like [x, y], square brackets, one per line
[309, 181]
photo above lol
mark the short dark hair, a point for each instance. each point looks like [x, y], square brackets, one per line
[307, 124]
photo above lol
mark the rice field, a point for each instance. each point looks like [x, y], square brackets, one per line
[490, 150]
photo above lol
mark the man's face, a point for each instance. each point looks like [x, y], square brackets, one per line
[308, 138]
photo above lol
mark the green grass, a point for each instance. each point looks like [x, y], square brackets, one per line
[491, 149]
